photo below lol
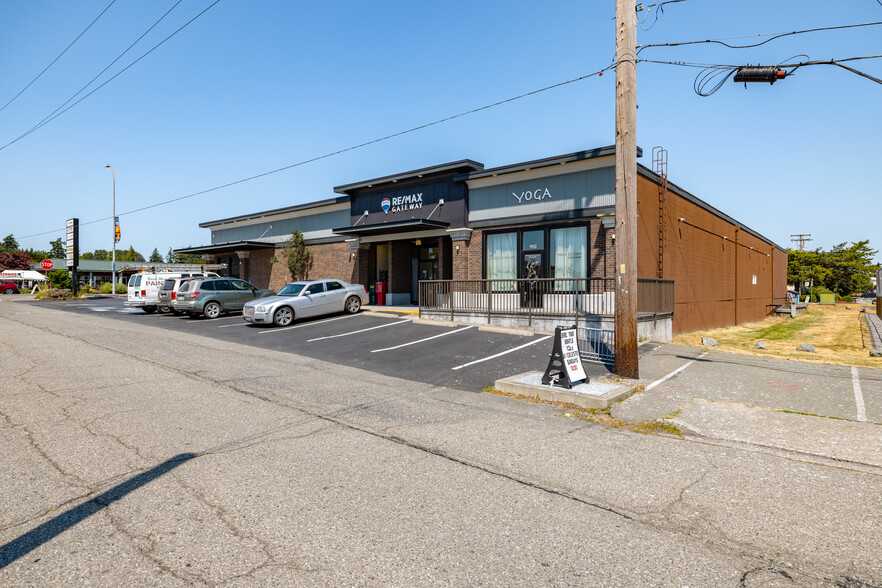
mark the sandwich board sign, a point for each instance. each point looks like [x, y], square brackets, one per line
[564, 363]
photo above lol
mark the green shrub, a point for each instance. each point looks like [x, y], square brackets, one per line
[107, 288]
[59, 279]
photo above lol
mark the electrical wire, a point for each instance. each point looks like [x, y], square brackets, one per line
[772, 36]
[59, 56]
[710, 76]
[110, 79]
[658, 12]
[120, 56]
[340, 151]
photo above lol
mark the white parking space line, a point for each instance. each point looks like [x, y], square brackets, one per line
[501, 354]
[421, 340]
[308, 324]
[242, 324]
[858, 395]
[361, 331]
[674, 373]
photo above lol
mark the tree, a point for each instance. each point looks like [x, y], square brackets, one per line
[806, 266]
[36, 255]
[102, 255]
[15, 261]
[170, 257]
[87, 255]
[156, 256]
[10, 245]
[129, 255]
[57, 250]
[851, 268]
[297, 257]
[59, 279]
[189, 258]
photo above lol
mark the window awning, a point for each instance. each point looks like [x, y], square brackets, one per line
[228, 247]
[407, 226]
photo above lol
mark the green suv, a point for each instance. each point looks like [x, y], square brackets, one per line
[213, 296]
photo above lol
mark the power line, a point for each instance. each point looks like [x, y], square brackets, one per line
[46, 118]
[340, 151]
[659, 10]
[113, 77]
[712, 72]
[59, 56]
[772, 36]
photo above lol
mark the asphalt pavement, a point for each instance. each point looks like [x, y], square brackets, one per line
[176, 458]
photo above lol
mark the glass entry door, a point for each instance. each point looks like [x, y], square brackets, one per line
[531, 287]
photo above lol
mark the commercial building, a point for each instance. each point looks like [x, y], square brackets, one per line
[548, 218]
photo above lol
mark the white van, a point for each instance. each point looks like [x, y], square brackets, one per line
[143, 288]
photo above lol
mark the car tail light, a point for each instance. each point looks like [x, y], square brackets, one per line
[174, 295]
[194, 295]
[143, 293]
[365, 289]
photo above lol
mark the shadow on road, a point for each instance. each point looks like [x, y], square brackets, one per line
[50, 529]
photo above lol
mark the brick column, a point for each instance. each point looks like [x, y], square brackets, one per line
[460, 252]
[359, 260]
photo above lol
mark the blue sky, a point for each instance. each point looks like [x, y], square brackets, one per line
[254, 86]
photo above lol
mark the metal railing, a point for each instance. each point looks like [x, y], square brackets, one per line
[567, 299]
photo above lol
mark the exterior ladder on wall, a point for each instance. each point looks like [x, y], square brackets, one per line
[660, 168]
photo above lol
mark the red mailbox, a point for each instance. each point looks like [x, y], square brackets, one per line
[381, 293]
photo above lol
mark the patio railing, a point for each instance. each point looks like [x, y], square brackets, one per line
[568, 299]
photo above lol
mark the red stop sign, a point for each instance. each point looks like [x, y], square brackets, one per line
[46, 264]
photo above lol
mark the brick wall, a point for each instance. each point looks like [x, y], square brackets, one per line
[400, 266]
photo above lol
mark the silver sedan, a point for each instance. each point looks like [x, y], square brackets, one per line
[305, 299]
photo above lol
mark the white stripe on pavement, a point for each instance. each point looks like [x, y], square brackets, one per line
[674, 373]
[243, 323]
[421, 340]
[361, 331]
[858, 395]
[501, 354]
[307, 324]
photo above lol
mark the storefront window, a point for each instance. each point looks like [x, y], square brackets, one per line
[569, 255]
[502, 258]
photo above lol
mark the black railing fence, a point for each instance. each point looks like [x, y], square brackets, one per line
[568, 298]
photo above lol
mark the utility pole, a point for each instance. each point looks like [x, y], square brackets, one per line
[626, 364]
[801, 239]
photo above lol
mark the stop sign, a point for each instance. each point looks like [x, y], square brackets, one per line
[46, 264]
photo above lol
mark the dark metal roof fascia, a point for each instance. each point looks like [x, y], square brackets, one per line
[231, 245]
[295, 208]
[435, 169]
[563, 215]
[546, 162]
[410, 225]
[645, 171]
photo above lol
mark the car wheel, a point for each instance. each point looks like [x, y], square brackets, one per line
[283, 317]
[353, 304]
[164, 309]
[7, 291]
[212, 310]
[149, 309]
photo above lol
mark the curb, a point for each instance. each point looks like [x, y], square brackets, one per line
[511, 385]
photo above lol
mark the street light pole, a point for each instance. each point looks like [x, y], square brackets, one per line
[113, 267]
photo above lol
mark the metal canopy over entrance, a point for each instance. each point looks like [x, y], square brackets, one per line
[407, 226]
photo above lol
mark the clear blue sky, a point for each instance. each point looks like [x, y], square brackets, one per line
[254, 86]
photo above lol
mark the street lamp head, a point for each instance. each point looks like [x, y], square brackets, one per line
[108, 165]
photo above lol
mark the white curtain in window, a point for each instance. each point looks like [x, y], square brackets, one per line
[502, 256]
[569, 254]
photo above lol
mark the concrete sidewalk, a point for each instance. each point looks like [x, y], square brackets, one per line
[748, 399]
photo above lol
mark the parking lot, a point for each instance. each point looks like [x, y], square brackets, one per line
[463, 357]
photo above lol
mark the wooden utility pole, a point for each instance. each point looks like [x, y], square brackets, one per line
[626, 190]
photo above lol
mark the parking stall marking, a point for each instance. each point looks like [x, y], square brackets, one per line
[401, 322]
[674, 373]
[421, 340]
[858, 395]
[501, 354]
[308, 324]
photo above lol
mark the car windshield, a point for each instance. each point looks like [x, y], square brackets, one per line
[291, 290]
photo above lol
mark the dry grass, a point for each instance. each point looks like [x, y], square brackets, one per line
[839, 336]
[596, 416]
